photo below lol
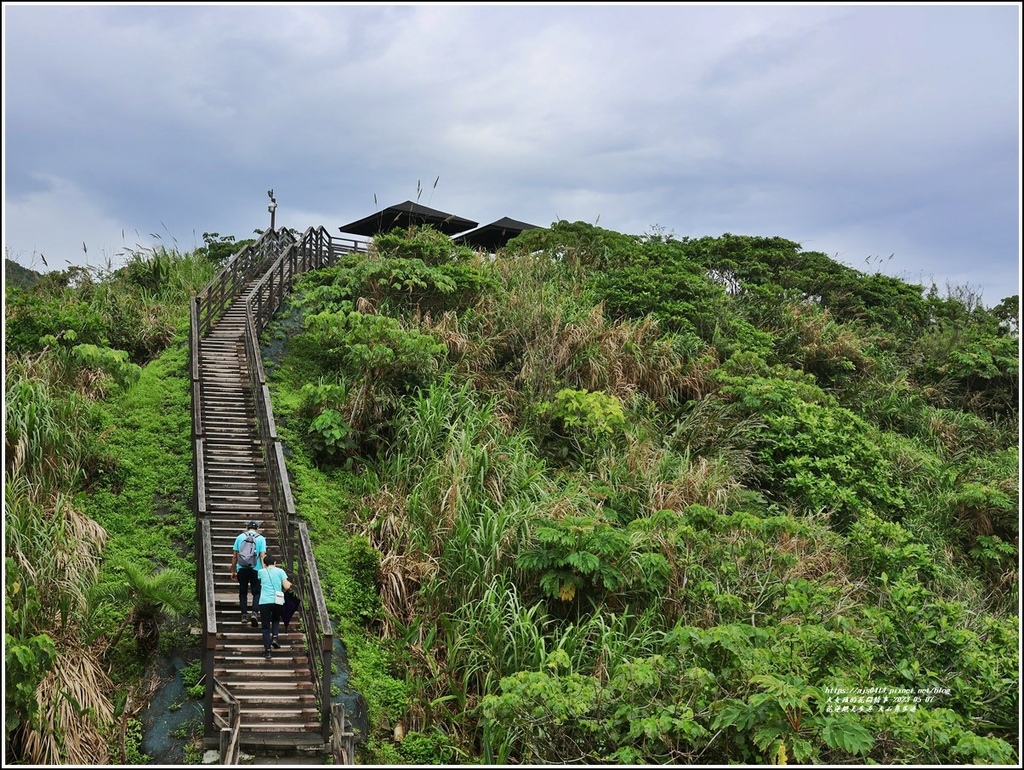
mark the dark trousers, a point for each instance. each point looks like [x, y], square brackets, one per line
[248, 582]
[270, 616]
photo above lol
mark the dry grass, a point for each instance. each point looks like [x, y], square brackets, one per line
[388, 527]
[823, 344]
[55, 549]
[75, 712]
[400, 576]
[700, 482]
[814, 561]
[447, 331]
[619, 358]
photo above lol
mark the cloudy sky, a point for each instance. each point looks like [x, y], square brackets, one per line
[886, 136]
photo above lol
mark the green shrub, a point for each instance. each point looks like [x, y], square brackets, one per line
[433, 748]
[578, 555]
[582, 421]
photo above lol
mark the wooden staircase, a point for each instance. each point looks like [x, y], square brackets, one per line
[277, 697]
[281, 706]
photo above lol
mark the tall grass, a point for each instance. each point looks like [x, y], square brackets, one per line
[501, 634]
[52, 553]
[46, 432]
[494, 636]
[457, 500]
[52, 561]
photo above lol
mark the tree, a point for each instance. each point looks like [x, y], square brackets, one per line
[151, 598]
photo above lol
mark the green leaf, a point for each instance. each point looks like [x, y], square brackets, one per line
[847, 736]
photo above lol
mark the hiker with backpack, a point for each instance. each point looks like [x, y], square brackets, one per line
[246, 560]
[273, 583]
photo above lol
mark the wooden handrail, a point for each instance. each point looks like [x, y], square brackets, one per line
[315, 249]
[193, 340]
[320, 635]
[200, 474]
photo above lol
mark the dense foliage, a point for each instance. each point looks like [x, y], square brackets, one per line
[596, 498]
[658, 500]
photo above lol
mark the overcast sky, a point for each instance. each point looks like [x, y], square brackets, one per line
[861, 131]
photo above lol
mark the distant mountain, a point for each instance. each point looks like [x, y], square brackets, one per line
[16, 275]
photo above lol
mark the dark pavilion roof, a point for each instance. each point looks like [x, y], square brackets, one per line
[495, 235]
[404, 215]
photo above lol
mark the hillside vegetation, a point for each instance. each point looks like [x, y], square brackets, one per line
[649, 500]
[598, 498]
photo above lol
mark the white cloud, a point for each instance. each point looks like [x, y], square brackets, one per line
[64, 225]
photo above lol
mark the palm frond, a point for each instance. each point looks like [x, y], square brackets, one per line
[75, 713]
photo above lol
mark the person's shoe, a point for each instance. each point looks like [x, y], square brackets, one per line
[245, 618]
[253, 621]
[275, 644]
[266, 655]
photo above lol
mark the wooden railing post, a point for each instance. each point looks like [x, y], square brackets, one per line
[342, 739]
[229, 735]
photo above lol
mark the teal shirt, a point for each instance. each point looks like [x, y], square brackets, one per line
[271, 580]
